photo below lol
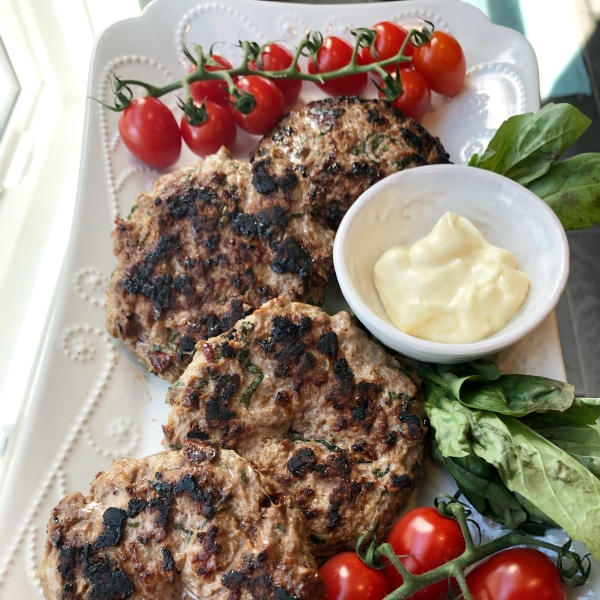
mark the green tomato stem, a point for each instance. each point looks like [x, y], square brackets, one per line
[472, 555]
[292, 72]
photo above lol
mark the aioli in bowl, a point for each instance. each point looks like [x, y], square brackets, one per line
[451, 286]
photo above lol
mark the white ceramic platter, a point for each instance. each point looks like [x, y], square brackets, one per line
[90, 401]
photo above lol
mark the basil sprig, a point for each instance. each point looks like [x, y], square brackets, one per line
[526, 149]
[521, 448]
[572, 190]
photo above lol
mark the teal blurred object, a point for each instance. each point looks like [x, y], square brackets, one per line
[573, 80]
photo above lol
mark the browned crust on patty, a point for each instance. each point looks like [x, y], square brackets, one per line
[203, 250]
[341, 146]
[312, 402]
[201, 519]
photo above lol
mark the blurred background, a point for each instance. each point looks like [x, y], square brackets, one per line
[45, 51]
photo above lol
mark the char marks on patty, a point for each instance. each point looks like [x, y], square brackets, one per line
[200, 520]
[205, 248]
[338, 147]
[317, 406]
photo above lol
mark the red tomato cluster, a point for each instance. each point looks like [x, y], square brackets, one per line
[150, 132]
[427, 540]
[439, 65]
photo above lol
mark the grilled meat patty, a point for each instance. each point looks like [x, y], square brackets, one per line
[204, 249]
[339, 147]
[313, 403]
[216, 240]
[201, 520]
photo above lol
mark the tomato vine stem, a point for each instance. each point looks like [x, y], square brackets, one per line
[574, 573]
[308, 47]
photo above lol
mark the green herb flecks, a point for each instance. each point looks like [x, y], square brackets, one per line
[330, 446]
[250, 389]
[399, 396]
[133, 209]
[244, 360]
[223, 504]
[177, 384]
[246, 327]
[181, 527]
[133, 525]
[316, 541]
[297, 437]
[380, 473]
[174, 339]
[225, 216]
[244, 477]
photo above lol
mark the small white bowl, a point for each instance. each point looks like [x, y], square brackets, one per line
[403, 208]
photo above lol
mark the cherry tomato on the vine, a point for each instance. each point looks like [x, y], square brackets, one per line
[269, 108]
[150, 132]
[218, 130]
[415, 98]
[336, 53]
[431, 540]
[388, 42]
[348, 578]
[442, 62]
[516, 574]
[215, 90]
[277, 58]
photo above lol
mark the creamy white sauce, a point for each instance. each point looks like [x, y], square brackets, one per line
[451, 286]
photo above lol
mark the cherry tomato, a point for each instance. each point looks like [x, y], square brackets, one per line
[277, 58]
[218, 130]
[269, 108]
[348, 578]
[415, 98]
[516, 574]
[442, 62]
[431, 540]
[336, 53]
[216, 90]
[388, 42]
[150, 132]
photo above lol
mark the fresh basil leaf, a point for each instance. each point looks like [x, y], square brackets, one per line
[582, 443]
[525, 146]
[516, 395]
[481, 485]
[536, 519]
[478, 487]
[583, 411]
[572, 190]
[434, 387]
[484, 368]
[542, 473]
[451, 428]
